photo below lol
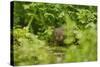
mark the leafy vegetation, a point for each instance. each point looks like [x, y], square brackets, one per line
[33, 33]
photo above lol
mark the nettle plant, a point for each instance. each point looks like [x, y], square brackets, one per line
[45, 33]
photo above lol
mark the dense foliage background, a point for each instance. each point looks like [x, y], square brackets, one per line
[33, 38]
